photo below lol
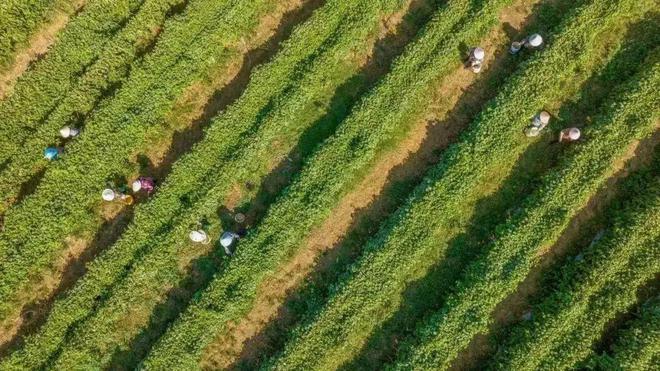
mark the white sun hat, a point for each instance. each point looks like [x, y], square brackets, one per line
[65, 132]
[108, 194]
[136, 186]
[479, 53]
[198, 236]
[574, 133]
[535, 40]
[544, 117]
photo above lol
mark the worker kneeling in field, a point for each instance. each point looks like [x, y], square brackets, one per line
[69, 132]
[539, 123]
[531, 42]
[143, 184]
[199, 236]
[569, 135]
[227, 241]
[476, 59]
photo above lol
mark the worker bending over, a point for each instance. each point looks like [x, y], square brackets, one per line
[569, 135]
[531, 42]
[539, 122]
[476, 59]
[69, 132]
[143, 184]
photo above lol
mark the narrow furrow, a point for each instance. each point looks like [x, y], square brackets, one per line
[100, 80]
[525, 236]
[34, 31]
[153, 253]
[122, 128]
[441, 208]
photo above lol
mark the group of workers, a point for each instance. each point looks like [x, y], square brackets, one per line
[227, 239]
[121, 193]
[475, 62]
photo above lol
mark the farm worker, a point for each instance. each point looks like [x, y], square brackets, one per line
[51, 153]
[199, 236]
[569, 135]
[69, 132]
[539, 123]
[108, 195]
[476, 59]
[143, 183]
[530, 42]
[227, 239]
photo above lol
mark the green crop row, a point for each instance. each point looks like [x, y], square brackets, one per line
[106, 73]
[636, 347]
[415, 237]
[592, 289]
[630, 116]
[68, 197]
[284, 98]
[379, 120]
[19, 19]
[38, 90]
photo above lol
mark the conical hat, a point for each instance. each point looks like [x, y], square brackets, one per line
[535, 40]
[197, 236]
[479, 53]
[108, 194]
[136, 186]
[227, 239]
[65, 132]
[574, 133]
[544, 117]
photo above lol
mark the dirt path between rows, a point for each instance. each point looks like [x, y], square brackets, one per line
[419, 149]
[38, 45]
[191, 113]
[515, 305]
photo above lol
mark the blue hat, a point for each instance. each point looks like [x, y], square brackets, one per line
[51, 153]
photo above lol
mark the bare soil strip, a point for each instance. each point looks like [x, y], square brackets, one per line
[416, 151]
[38, 45]
[209, 97]
[513, 307]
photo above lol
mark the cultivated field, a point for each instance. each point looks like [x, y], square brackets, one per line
[330, 184]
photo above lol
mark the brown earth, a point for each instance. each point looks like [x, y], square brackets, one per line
[38, 45]
[420, 147]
